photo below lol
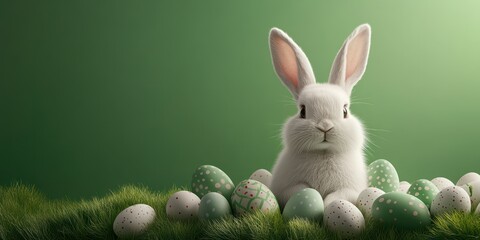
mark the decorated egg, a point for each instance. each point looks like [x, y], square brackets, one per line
[306, 203]
[344, 218]
[473, 190]
[401, 210]
[468, 178]
[441, 183]
[209, 178]
[477, 211]
[251, 195]
[183, 205]
[423, 190]
[382, 175]
[133, 221]
[366, 198]
[213, 206]
[451, 199]
[262, 176]
[403, 186]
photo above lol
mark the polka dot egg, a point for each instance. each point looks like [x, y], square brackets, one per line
[262, 176]
[251, 195]
[401, 210]
[441, 182]
[450, 199]
[213, 206]
[306, 203]
[344, 218]
[381, 174]
[183, 205]
[366, 198]
[423, 190]
[209, 178]
[133, 221]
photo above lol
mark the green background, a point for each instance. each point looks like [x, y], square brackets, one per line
[98, 94]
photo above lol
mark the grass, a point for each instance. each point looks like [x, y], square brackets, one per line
[26, 214]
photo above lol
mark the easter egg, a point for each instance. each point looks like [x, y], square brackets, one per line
[183, 205]
[442, 182]
[209, 178]
[451, 199]
[468, 178]
[477, 211]
[344, 218]
[403, 186]
[382, 175]
[366, 198]
[213, 206]
[250, 196]
[133, 221]
[473, 190]
[423, 190]
[306, 203]
[401, 210]
[262, 176]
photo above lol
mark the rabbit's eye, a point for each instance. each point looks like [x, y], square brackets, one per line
[345, 112]
[302, 111]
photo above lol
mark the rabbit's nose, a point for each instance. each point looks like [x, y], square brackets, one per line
[324, 126]
[323, 130]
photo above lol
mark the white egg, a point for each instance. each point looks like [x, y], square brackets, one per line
[133, 221]
[344, 218]
[450, 199]
[442, 182]
[183, 205]
[262, 176]
[403, 187]
[473, 190]
[366, 198]
[468, 178]
[478, 210]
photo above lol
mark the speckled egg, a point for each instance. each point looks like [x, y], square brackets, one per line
[423, 190]
[401, 210]
[183, 205]
[344, 218]
[450, 199]
[133, 221]
[262, 176]
[208, 178]
[468, 178]
[366, 198]
[441, 183]
[306, 203]
[381, 174]
[213, 206]
[251, 195]
[403, 187]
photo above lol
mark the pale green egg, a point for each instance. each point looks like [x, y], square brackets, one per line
[306, 203]
[250, 196]
[401, 210]
[214, 206]
[382, 175]
[208, 178]
[424, 190]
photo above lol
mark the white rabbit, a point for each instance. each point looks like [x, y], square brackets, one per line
[323, 143]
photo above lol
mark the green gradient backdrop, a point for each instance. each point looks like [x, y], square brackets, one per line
[97, 94]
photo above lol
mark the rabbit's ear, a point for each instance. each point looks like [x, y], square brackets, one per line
[291, 64]
[351, 60]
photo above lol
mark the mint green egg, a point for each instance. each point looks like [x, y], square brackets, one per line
[400, 210]
[306, 203]
[382, 175]
[213, 206]
[208, 178]
[424, 190]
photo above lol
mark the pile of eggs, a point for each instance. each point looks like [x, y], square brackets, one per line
[387, 201]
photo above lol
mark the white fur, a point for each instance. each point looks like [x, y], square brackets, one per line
[335, 168]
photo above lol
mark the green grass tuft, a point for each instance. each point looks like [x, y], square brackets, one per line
[27, 214]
